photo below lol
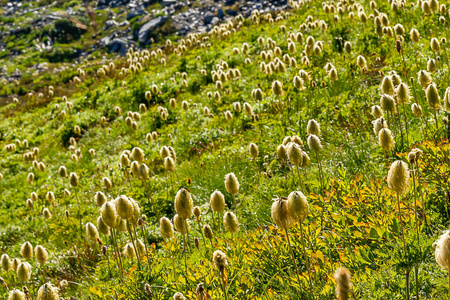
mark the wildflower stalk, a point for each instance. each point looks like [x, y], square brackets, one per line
[187, 233]
[292, 254]
[399, 125]
[321, 177]
[415, 205]
[201, 232]
[109, 267]
[152, 202]
[128, 177]
[435, 119]
[404, 244]
[421, 194]
[416, 267]
[300, 179]
[173, 266]
[79, 213]
[234, 201]
[133, 241]
[146, 249]
[305, 256]
[401, 222]
[184, 251]
[119, 259]
[406, 125]
[222, 283]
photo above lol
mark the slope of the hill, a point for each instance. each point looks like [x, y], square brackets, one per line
[286, 102]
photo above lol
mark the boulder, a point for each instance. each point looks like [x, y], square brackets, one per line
[168, 2]
[136, 12]
[148, 27]
[208, 17]
[220, 13]
[149, 2]
[109, 24]
[215, 21]
[117, 45]
[232, 12]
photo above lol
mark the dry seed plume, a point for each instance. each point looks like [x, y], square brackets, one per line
[231, 183]
[281, 214]
[183, 203]
[230, 222]
[398, 177]
[166, 228]
[343, 283]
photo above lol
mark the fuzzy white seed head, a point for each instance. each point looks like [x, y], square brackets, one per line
[231, 183]
[398, 177]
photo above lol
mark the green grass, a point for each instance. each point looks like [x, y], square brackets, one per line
[353, 219]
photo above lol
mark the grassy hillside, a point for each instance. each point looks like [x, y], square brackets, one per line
[310, 79]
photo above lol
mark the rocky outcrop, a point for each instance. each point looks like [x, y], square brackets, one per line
[148, 27]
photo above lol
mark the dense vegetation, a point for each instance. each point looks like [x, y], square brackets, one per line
[307, 140]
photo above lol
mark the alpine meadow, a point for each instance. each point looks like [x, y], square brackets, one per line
[295, 152]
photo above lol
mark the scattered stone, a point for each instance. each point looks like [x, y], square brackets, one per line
[137, 12]
[220, 13]
[208, 17]
[168, 2]
[148, 27]
[118, 45]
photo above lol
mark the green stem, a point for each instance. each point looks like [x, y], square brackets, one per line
[187, 233]
[185, 259]
[401, 222]
[320, 172]
[435, 119]
[222, 281]
[203, 237]
[152, 202]
[173, 267]
[416, 275]
[421, 194]
[292, 255]
[415, 205]
[302, 185]
[407, 284]
[133, 242]
[146, 249]
[404, 246]
[399, 125]
[79, 214]
[119, 259]
[305, 256]
[406, 125]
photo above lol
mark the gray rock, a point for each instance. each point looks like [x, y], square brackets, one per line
[178, 5]
[9, 11]
[70, 11]
[105, 40]
[168, 2]
[215, 21]
[220, 13]
[232, 12]
[109, 24]
[124, 23]
[149, 2]
[117, 45]
[137, 12]
[148, 27]
[208, 17]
